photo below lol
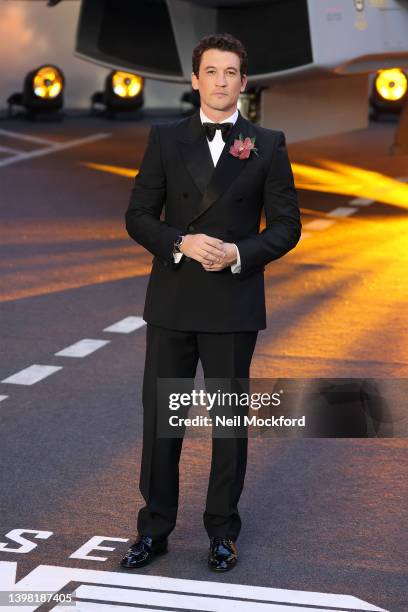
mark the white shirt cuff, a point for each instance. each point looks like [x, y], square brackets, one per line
[236, 268]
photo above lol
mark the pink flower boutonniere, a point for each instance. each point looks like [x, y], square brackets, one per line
[242, 147]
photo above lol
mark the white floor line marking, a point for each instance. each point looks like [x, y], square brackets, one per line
[82, 348]
[4, 149]
[28, 137]
[342, 211]
[361, 201]
[125, 326]
[212, 602]
[319, 224]
[186, 602]
[225, 595]
[55, 148]
[88, 606]
[3, 397]
[31, 375]
[402, 179]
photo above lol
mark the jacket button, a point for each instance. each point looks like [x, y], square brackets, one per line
[191, 228]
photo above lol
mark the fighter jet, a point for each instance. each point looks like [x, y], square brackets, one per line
[310, 61]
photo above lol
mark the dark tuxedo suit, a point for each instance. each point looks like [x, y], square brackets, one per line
[224, 202]
[195, 314]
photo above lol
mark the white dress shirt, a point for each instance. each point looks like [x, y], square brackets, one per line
[216, 146]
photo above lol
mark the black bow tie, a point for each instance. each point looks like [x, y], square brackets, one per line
[211, 128]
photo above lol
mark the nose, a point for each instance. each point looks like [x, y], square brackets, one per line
[221, 80]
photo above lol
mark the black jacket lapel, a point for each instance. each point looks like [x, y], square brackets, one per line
[228, 167]
[212, 182]
[196, 152]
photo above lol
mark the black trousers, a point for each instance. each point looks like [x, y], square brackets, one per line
[175, 354]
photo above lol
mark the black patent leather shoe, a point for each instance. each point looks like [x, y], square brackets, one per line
[143, 551]
[223, 554]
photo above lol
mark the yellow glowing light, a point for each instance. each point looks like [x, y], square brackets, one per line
[391, 84]
[358, 304]
[126, 85]
[54, 271]
[351, 180]
[47, 82]
[341, 179]
[128, 172]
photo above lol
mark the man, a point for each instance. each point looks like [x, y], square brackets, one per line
[205, 298]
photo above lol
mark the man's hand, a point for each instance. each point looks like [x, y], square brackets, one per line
[229, 259]
[203, 248]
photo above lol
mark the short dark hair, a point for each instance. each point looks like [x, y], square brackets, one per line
[224, 42]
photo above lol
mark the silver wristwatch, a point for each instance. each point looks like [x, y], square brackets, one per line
[177, 244]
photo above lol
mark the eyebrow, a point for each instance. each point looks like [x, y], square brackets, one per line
[229, 68]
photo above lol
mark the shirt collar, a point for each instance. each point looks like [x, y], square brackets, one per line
[231, 119]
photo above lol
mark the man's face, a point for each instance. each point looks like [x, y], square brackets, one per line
[219, 80]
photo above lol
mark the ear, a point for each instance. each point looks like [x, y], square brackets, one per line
[194, 81]
[244, 81]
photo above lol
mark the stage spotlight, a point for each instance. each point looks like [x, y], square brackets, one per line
[391, 84]
[389, 92]
[126, 85]
[42, 92]
[123, 93]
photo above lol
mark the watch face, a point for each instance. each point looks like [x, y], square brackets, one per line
[177, 243]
